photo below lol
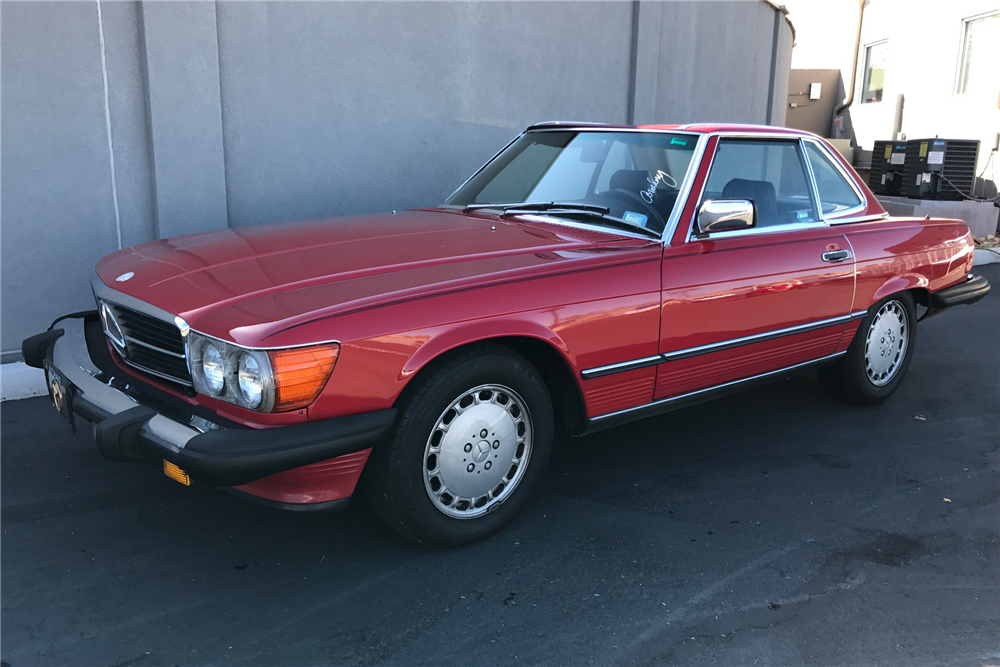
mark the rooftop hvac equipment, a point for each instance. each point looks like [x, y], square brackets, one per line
[940, 168]
[888, 158]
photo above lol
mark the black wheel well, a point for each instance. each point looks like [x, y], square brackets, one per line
[921, 296]
[563, 387]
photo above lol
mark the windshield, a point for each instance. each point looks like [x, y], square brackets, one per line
[635, 176]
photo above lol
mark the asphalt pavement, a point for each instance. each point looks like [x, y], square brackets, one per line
[774, 527]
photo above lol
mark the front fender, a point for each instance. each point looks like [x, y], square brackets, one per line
[457, 335]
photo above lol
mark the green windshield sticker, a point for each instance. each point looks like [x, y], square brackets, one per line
[675, 140]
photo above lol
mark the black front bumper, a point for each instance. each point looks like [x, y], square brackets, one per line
[971, 291]
[126, 429]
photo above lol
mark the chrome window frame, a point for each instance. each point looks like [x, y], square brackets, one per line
[683, 190]
[686, 188]
[487, 163]
[755, 231]
[821, 146]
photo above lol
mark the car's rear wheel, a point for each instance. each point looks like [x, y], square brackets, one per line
[879, 355]
[473, 437]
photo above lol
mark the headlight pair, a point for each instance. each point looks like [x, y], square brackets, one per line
[261, 380]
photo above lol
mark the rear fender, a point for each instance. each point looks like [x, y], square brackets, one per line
[897, 284]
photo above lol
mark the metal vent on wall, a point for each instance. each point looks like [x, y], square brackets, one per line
[960, 168]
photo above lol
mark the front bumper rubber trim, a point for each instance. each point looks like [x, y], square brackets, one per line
[34, 349]
[971, 291]
[232, 458]
[116, 435]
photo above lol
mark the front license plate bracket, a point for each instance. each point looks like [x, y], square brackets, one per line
[60, 393]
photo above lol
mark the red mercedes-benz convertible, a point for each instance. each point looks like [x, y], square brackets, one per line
[587, 275]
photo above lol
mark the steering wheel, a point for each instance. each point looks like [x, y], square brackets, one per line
[629, 198]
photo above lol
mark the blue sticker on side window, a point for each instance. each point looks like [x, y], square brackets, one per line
[635, 218]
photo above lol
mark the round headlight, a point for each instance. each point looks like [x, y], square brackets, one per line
[251, 381]
[213, 369]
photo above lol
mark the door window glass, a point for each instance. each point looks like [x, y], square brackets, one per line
[835, 193]
[769, 173]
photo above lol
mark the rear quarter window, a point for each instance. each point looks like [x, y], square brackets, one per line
[835, 193]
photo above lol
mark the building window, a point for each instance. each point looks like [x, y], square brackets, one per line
[876, 59]
[977, 66]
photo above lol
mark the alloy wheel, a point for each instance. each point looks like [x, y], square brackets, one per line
[477, 451]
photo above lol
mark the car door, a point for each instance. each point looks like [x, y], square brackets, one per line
[740, 304]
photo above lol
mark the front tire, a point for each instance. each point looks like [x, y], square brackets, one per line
[879, 355]
[473, 437]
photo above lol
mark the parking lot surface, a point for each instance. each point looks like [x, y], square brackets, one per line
[775, 527]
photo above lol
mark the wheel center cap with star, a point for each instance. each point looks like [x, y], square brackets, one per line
[481, 451]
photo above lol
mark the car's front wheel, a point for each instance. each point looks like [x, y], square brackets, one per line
[472, 440]
[879, 355]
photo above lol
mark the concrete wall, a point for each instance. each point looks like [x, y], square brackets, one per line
[58, 211]
[712, 61]
[399, 120]
[126, 121]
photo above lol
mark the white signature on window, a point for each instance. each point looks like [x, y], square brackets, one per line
[654, 182]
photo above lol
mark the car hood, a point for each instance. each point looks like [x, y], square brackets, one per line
[247, 284]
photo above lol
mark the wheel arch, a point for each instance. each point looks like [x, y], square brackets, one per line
[917, 285]
[543, 349]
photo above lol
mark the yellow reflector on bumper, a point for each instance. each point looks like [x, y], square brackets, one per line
[175, 473]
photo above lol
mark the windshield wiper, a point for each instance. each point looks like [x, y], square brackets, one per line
[565, 208]
[538, 206]
[584, 210]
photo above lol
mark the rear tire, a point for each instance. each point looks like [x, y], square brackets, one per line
[879, 355]
[440, 481]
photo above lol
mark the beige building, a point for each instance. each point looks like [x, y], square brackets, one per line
[924, 68]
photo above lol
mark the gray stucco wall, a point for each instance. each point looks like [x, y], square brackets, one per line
[814, 116]
[239, 113]
[713, 63]
[57, 210]
[400, 120]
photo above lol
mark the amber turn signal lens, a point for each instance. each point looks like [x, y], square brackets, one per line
[300, 374]
[175, 473]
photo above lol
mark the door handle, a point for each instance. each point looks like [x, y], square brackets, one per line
[836, 255]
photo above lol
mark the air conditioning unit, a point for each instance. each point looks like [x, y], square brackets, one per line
[888, 158]
[940, 168]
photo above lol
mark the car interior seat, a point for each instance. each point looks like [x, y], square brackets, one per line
[637, 181]
[632, 180]
[761, 193]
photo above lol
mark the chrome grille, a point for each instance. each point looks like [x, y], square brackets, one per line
[152, 345]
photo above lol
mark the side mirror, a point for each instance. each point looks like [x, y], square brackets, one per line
[724, 215]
